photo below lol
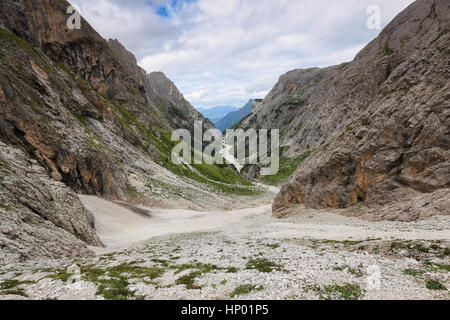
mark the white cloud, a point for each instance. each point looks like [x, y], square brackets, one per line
[224, 52]
[217, 7]
[196, 94]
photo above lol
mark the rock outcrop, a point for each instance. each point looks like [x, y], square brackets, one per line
[40, 217]
[161, 94]
[179, 112]
[379, 125]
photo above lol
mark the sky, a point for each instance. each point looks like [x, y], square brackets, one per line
[225, 52]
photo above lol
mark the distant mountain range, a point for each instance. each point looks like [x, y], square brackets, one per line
[234, 117]
[224, 117]
[217, 113]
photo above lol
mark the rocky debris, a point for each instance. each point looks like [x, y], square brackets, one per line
[421, 206]
[379, 125]
[40, 217]
[313, 256]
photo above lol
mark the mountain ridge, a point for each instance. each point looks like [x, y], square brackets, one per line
[215, 114]
[368, 123]
[233, 117]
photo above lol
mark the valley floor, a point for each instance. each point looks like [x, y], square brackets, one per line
[243, 254]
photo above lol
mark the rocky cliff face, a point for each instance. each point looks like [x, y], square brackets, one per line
[295, 106]
[161, 94]
[180, 113]
[101, 79]
[40, 217]
[78, 108]
[378, 126]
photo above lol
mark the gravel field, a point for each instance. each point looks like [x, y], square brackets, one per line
[243, 254]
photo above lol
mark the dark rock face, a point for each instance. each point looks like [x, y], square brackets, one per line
[161, 94]
[43, 113]
[379, 125]
[43, 25]
[96, 72]
[179, 112]
[82, 110]
[39, 216]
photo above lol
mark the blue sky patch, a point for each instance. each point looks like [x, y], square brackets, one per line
[171, 6]
[162, 12]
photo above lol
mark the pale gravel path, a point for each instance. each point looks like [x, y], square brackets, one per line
[119, 227]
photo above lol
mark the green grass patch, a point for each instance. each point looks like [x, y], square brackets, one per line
[429, 267]
[434, 285]
[436, 266]
[65, 70]
[387, 51]
[284, 149]
[162, 262]
[342, 242]
[232, 270]
[287, 168]
[112, 283]
[262, 265]
[9, 287]
[445, 267]
[189, 280]
[202, 267]
[16, 292]
[115, 289]
[135, 271]
[62, 275]
[354, 271]
[224, 174]
[131, 191]
[245, 289]
[13, 39]
[198, 270]
[417, 247]
[338, 292]
[413, 272]
[9, 284]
